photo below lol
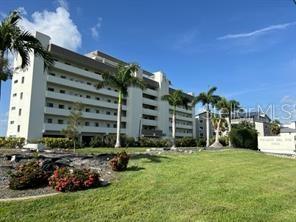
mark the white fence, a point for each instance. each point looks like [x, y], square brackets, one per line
[277, 144]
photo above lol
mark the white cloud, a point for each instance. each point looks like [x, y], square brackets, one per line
[258, 32]
[22, 10]
[57, 24]
[64, 4]
[96, 28]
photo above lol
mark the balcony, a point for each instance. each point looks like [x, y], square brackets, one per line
[80, 86]
[83, 129]
[152, 133]
[150, 102]
[76, 70]
[151, 92]
[90, 102]
[183, 110]
[189, 119]
[86, 115]
[150, 112]
[149, 122]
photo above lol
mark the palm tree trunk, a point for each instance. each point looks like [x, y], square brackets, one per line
[1, 68]
[229, 129]
[208, 125]
[218, 131]
[74, 145]
[174, 127]
[118, 120]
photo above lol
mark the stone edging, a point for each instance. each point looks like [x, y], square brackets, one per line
[28, 197]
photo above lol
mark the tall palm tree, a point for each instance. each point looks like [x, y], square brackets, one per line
[17, 41]
[176, 98]
[207, 98]
[121, 80]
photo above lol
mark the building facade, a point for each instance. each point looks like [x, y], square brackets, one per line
[42, 99]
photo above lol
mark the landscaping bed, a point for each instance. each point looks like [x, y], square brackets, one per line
[10, 159]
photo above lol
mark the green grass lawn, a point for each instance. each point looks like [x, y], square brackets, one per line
[109, 150]
[231, 185]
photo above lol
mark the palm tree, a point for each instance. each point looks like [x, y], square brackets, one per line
[121, 80]
[275, 127]
[15, 40]
[176, 98]
[207, 98]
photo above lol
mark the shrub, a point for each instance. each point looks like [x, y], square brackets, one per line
[64, 180]
[109, 141]
[243, 136]
[12, 142]
[154, 142]
[120, 161]
[201, 142]
[51, 142]
[28, 175]
[224, 140]
[186, 142]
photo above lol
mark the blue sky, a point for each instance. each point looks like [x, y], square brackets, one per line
[245, 48]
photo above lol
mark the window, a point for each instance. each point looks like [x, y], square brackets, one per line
[87, 110]
[50, 105]
[69, 108]
[86, 123]
[114, 125]
[87, 96]
[109, 88]
[97, 111]
[108, 113]
[50, 89]
[49, 120]
[61, 106]
[23, 79]
[11, 122]
[97, 124]
[21, 95]
[18, 128]
[97, 98]
[108, 125]
[109, 100]
[62, 91]
[115, 113]
[52, 74]
[15, 81]
[63, 77]
[88, 83]
[60, 121]
[20, 112]
[13, 108]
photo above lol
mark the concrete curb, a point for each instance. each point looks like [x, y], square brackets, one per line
[28, 197]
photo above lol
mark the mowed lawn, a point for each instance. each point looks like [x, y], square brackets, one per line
[231, 185]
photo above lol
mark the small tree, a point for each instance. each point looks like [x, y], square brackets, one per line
[122, 79]
[275, 127]
[72, 130]
[177, 98]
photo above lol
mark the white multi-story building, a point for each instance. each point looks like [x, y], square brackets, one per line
[42, 99]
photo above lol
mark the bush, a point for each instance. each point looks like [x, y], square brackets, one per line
[154, 142]
[224, 140]
[12, 142]
[28, 175]
[120, 161]
[201, 142]
[110, 140]
[243, 136]
[51, 142]
[64, 180]
[186, 142]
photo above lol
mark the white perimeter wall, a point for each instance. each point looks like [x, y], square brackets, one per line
[277, 144]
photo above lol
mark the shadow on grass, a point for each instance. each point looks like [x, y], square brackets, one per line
[152, 158]
[135, 168]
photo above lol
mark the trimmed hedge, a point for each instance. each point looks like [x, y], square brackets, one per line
[109, 141]
[12, 142]
[51, 142]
